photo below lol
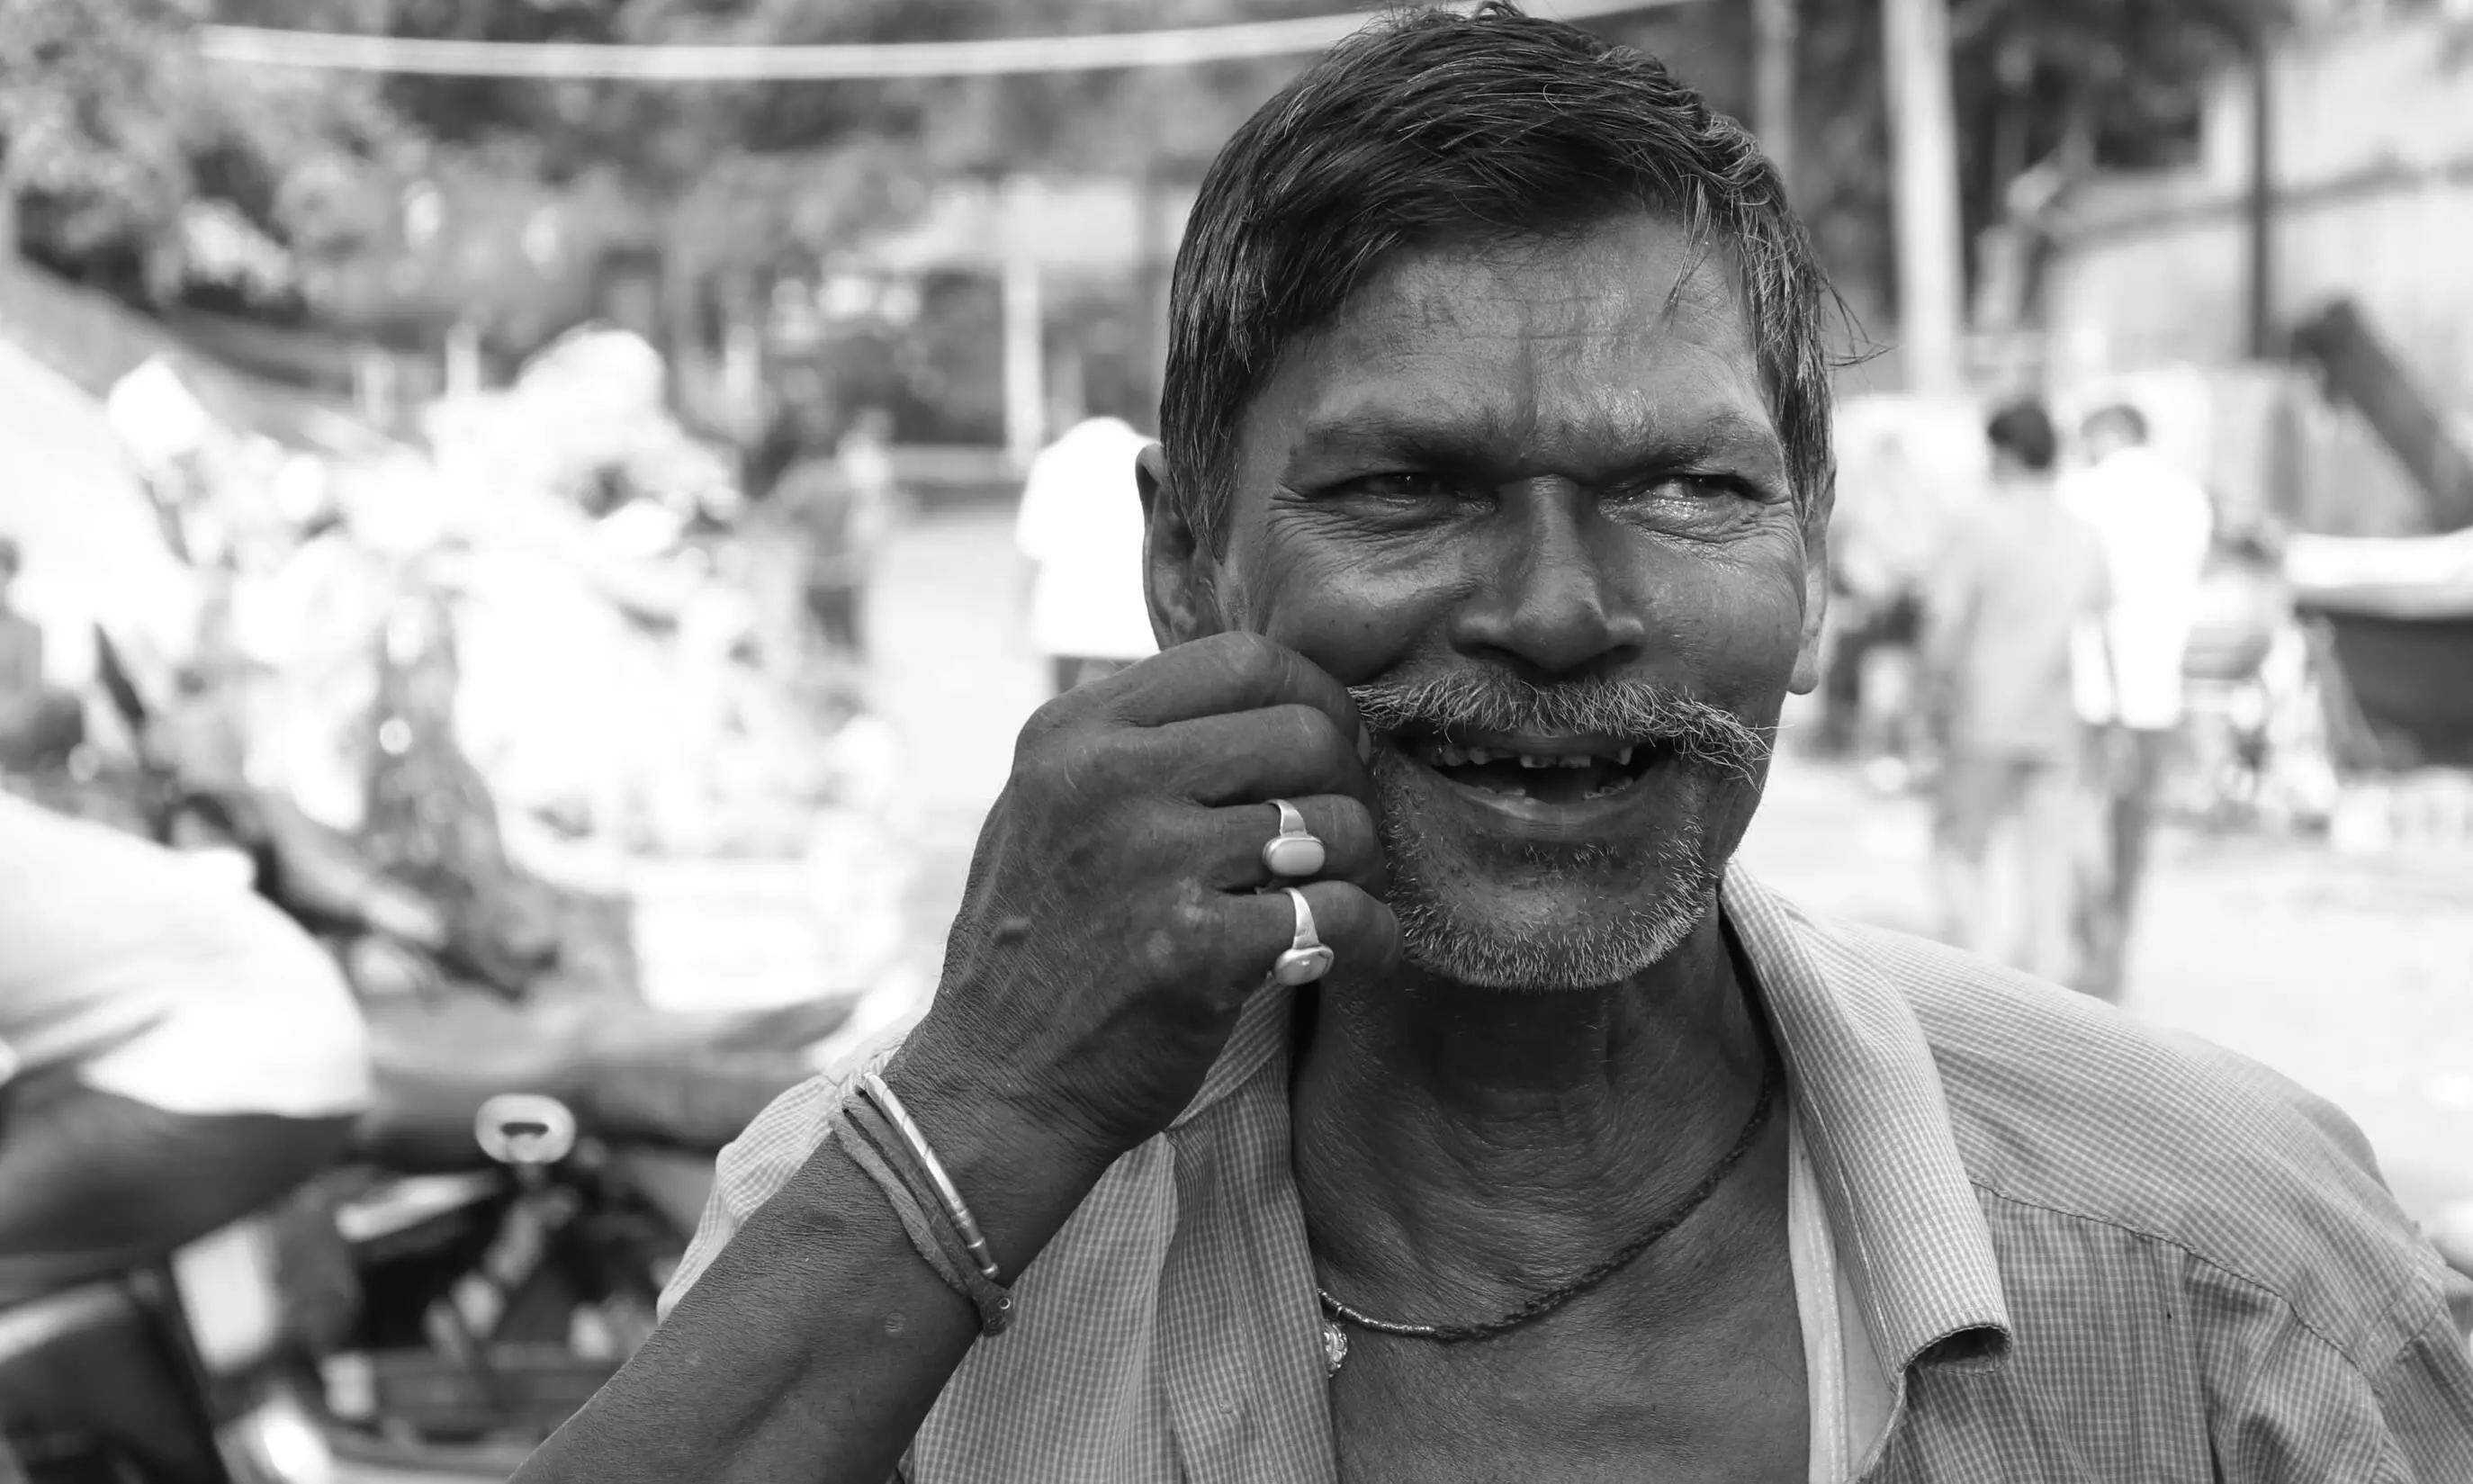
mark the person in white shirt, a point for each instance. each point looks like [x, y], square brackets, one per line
[2157, 526]
[174, 1051]
[1081, 528]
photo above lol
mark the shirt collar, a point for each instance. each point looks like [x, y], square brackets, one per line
[1919, 1253]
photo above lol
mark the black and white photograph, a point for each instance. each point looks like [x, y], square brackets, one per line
[1235, 742]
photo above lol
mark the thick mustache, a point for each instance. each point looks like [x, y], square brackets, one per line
[1493, 701]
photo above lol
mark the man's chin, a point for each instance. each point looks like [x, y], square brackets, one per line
[1548, 951]
[1542, 914]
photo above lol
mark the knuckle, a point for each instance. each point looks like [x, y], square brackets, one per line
[1056, 715]
[1311, 728]
[1248, 657]
[1353, 832]
[1154, 956]
[1164, 951]
[1048, 729]
[1075, 767]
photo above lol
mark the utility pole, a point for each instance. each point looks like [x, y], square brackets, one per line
[1025, 357]
[2260, 217]
[1155, 253]
[1774, 31]
[1932, 261]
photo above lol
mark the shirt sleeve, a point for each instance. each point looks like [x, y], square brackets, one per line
[755, 1166]
[2425, 1395]
[2308, 1412]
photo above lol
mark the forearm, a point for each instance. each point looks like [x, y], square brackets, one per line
[818, 1340]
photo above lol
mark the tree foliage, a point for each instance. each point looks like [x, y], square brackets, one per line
[133, 160]
[119, 138]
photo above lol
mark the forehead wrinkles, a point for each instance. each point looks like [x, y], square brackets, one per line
[1603, 304]
[1536, 341]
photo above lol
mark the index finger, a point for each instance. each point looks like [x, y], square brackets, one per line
[1225, 673]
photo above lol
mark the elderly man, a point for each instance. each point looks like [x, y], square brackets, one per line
[1509, 1135]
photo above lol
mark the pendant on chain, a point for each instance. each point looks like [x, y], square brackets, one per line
[1335, 1347]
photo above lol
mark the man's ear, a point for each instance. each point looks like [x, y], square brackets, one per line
[1180, 576]
[1816, 583]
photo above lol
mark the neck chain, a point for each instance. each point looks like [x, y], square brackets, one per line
[1334, 1339]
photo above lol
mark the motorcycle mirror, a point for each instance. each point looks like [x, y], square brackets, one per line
[525, 1128]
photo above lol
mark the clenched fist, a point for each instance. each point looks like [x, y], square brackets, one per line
[1115, 922]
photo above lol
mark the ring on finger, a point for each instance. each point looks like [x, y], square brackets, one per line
[1295, 850]
[1308, 957]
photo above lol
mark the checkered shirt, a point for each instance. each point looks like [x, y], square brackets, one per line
[2085, 1250]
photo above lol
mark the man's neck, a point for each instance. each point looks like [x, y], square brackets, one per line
[1463, 1144]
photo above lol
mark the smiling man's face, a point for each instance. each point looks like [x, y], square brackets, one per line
[1529, 503]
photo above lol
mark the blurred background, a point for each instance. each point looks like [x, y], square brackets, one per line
[617, 474]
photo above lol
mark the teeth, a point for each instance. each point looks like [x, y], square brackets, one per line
[1446, 754]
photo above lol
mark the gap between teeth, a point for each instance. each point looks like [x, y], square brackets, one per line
[1448, 756]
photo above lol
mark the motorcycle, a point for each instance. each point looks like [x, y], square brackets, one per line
[178, 1372]
[494, 1300]
[495, 1304]
[524, 1188]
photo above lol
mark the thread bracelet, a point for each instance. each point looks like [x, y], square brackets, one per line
[880, 1117]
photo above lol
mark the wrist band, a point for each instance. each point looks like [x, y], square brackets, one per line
[870, 1142]
[955, 1207]
[907, 1171]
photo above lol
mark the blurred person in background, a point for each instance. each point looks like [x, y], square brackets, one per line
[840, 502]
[1081, 529]
[798, 429]
[174, 1052]
[2156, 526]
[41, 723]
[1882, 536]
[2019, 576]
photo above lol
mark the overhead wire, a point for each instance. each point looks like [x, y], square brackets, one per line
[847, 61]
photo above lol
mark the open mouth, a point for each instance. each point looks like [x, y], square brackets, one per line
[1547, 770]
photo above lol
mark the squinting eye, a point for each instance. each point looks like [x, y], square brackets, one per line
[1700, 487]
[1688, 490]
[1405, 485]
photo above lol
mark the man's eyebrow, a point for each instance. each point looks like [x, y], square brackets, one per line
[1397, 431]
[1713, 436]
[1720, 434]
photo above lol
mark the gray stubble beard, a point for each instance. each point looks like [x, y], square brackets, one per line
[1484, 955]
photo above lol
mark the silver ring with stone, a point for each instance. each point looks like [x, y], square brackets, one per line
[1295, 850]
[1308, 958]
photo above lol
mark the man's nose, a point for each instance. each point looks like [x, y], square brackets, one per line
[1554, 601]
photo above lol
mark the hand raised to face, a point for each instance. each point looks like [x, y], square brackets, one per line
[1115, 923]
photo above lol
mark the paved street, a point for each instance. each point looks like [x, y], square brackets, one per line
[2352, 975]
